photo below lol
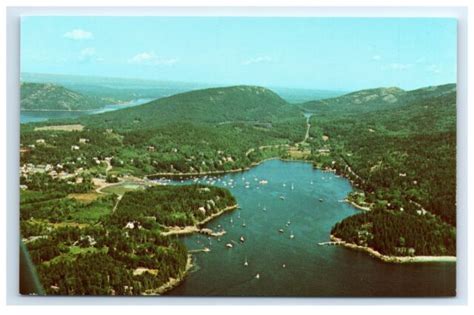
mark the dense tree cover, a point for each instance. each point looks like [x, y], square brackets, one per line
[401, 154]
[85, 248]
[39, 96]
[207, 106]
[398, 233]
[171, 205]
[101, 260]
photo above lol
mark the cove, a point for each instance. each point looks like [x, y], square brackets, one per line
[306, 203]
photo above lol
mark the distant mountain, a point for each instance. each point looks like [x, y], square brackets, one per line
[375, 99]
[117, 90]
[114, 90]
[40, 96]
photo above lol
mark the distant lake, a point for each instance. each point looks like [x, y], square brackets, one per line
[312, 204]
[37, 116]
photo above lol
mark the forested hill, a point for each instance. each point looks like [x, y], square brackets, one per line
[39, 96]
[401, 157]
[216, 106]
[216, 129]
[375, 99]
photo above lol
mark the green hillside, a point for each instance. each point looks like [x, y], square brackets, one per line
[247, 104]
[207, 130]
[373, 99]
[39, 96]
[402, 157]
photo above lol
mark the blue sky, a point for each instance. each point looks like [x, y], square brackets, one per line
[317, 53]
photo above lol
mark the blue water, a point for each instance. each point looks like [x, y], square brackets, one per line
[37, 116]
[310, 269]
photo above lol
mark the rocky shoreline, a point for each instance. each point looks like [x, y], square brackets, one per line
[391, 259]
[173, 282]
[178, 230]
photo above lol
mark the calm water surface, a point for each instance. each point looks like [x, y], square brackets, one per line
[37, 116]
[310, 269]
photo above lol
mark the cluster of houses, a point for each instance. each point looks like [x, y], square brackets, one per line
[58, 170]
[55, 171]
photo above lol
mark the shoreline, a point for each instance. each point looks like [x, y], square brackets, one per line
[196, 228]
[391, 259]
[236, 170]
[355, 205]
[172, 282]
[59, 110]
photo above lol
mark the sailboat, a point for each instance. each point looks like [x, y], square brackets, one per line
[292, 186]
[257, 276]
[292, 235]
[243, 224]
[231, 221]
[246, 263]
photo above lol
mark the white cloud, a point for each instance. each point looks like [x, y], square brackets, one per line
[150, 58]
[78, 34]
[259, 59]
[376, 57]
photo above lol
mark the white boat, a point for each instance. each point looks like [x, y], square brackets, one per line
[257, 276]
[292, 235]
[243, 224]
[284, 265]
[292, 187]
[242, 239]
[246, 263]
[282, 197]
[281, 230]
[229, 245]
